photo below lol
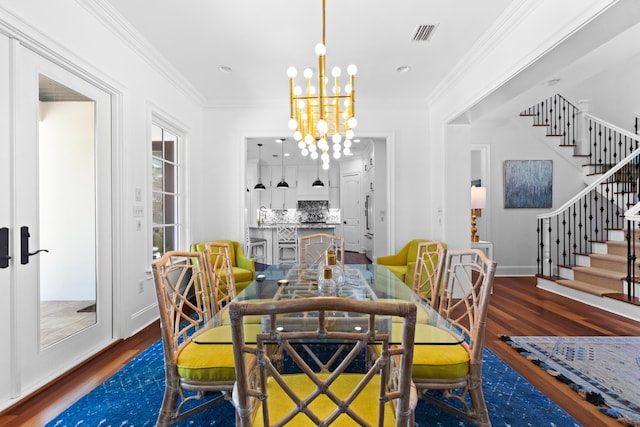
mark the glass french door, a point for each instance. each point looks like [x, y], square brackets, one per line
[59, 222]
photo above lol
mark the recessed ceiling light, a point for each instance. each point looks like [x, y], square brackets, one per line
[280, 140]
[225, 69]
[403, 69]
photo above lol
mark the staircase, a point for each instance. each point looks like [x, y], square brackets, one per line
[582, 247]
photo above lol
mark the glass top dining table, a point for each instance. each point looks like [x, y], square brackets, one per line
[369, 282]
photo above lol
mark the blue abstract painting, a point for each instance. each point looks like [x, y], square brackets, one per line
[528, 183]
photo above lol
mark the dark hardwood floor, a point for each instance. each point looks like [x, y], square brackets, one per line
[517, 308]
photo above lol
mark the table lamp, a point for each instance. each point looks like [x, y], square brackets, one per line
[478, 201]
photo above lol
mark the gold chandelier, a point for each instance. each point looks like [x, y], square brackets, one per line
[317, 118]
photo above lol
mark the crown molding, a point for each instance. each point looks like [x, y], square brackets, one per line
[30, 37]
[119, 26]
[510, 19]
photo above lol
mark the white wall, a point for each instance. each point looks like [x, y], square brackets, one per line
[223, 153]
[513, 231]
[613, 95]
[503, 55]
[381, 213]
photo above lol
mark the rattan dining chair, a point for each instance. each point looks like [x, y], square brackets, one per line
[220, 274]
[191, 370]
[428, 273]
[456, 370]
[319, 387]
[312, 248]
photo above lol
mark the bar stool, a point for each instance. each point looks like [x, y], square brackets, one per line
[287, 239]
[257, 249]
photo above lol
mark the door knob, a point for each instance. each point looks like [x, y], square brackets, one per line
[4, 247]
[24, 246]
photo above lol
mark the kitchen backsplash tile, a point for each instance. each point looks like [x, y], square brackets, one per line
[296, 216]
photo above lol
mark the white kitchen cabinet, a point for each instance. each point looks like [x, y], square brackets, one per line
[307, 174]
[283, 198]
[290, 175]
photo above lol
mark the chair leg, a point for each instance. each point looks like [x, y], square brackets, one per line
[168, 408]
[478, 403]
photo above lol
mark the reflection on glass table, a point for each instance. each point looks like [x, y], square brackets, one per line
[362, 282]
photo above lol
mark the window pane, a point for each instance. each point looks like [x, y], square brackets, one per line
[158, 210]
[169, 149]
[158, 242]
[169, 209]
[165, 191]
[156, 149]
[170, 238]
[169, 178]
[156, 174]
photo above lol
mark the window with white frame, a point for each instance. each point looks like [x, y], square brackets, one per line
[166, 198]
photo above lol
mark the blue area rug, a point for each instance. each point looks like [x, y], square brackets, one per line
[132, 397]
[605, 371]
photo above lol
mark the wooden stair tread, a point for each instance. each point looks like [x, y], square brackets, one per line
[600, 272]
[620, 247]
[618, 243]
[585, 287]
[610, 257]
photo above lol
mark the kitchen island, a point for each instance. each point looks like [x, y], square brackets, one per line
[269, 232]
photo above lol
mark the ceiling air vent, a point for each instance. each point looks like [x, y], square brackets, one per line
[424, 32]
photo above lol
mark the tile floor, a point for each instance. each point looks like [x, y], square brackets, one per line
[60, 319]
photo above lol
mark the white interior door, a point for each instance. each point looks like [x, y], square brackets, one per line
[61, 202]
[350, 191]
[6, 303]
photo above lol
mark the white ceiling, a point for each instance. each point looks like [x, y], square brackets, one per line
[260, 39]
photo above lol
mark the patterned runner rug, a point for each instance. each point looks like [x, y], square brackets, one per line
[604, 370]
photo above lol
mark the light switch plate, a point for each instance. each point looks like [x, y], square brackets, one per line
[138, 211]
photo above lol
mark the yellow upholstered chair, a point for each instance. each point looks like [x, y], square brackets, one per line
[191, 369]
[244, 270]
[403, 264]
[314, 391]
[464, 296]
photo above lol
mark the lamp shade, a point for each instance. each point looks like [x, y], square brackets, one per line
[478, 197]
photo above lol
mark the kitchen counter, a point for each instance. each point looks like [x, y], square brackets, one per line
[268, 231]
[304, 225]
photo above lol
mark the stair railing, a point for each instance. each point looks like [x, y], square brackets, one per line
[571, 229]
[603, 143]
[633, 222]
[559, 115]
[608, 143]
